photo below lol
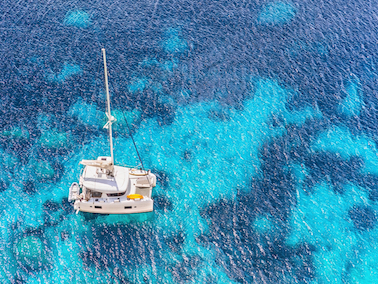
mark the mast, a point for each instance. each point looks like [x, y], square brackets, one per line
[108, 113]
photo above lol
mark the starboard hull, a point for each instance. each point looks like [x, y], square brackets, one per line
[115, 207]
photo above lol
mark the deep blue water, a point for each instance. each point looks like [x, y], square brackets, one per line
[258, 117]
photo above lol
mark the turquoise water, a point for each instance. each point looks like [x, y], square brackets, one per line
[258, 118]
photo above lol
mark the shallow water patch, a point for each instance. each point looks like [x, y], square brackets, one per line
[263, 224]
[53, 139]
[87, 114]
[352, 104]
[68, 70]
[322, 219]
[174, 43]
[77, 18]
[277, 12]
[363, 217]
[16, 132]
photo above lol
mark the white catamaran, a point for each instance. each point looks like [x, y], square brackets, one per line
[110, 189]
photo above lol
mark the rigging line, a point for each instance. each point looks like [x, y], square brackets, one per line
[132, 138]
[131, 135]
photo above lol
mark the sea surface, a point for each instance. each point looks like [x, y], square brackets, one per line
[258, 117]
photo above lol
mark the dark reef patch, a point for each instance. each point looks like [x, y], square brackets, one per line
[132, 245]
[333, 169]
[218, 115]
[64, 235]
[66, 205]
[138, 246]
[3, 185]
[150, 105]
[58, 171]
[18, 280]
[19, 146]
[245, 254]
[119, 277]
[363, 217]
[51, 206]
[185, 270]
[162, 203]
[29, 187]
[56, 212]
[162, 178]
[175, 242]
[188, 155]
[373, 194]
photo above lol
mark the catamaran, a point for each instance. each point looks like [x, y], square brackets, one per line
[108, 188]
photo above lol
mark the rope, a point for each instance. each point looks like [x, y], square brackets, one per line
[131, 135]
[132, 138]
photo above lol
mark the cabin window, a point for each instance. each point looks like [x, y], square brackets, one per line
[128, 207]
[96, 194]
[115, 194]
[98, 207]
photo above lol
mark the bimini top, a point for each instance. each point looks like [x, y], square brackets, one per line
[101, 162]
[99, 179]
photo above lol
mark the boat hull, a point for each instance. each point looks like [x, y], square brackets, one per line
[115, 206]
